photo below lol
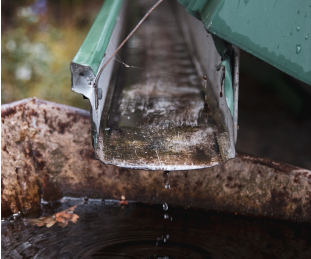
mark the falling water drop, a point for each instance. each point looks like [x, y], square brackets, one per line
[298, 48]
[307, 36]
[205, 81]
[167, 184]
[298, 28]
[165, 206]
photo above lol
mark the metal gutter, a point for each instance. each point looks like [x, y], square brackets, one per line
[94, 47]
[104, 34]
[277, 32]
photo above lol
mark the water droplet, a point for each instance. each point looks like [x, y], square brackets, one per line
[165, 206]
[278, 46]
[291, 31]
[164, 239]
[166, 216]
[298, 48]
[167, 236]
[307, 36]
[298, 11]
[167, 184]
[298, 28]
[208, 42]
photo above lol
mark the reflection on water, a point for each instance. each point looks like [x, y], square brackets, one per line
[106, 229]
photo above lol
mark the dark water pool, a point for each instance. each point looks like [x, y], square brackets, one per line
[105, 229]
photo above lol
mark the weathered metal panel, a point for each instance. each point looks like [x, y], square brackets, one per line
[277, 32]
[46, 151]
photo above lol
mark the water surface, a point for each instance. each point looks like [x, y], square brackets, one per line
[106, 229]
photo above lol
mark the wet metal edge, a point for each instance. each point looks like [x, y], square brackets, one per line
[236, 76]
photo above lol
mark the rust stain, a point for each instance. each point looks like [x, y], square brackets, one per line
[51, 191]
[63, 126]
[87, 154]
[73, 117]
[5, 149]
[199, 184]
[58, 162]
[281, 167]
[8, 112]
[32, 114]
[235, 185]
[278, 202]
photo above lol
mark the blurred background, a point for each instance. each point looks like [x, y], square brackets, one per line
[39, 40]
[41, 37]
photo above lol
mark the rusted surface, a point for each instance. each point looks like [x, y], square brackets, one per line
[46, 150]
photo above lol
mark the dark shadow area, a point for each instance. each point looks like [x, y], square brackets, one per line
[274, 114]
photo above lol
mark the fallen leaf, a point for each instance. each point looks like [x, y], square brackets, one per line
[62, 218]
[123, 203]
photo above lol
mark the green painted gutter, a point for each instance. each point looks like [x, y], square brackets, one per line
[278, 32]
[85, 65]
[96, 42]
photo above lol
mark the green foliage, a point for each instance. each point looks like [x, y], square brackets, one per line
[37, 50]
